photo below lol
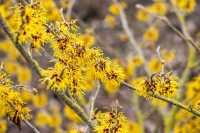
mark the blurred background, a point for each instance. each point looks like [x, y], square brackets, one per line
[101, 26]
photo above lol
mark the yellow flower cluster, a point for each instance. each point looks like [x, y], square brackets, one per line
[187, 6]
[31, 23]
[74, 59]
[111, 122]
[166, 85]
[11, 102]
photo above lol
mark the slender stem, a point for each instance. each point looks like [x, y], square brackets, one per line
[34, 65]
[69, 9]
[52, 31]
[93, 99]
[131, 37]
[138, 112]
[31, 126]
[161, 61]
[169, 100]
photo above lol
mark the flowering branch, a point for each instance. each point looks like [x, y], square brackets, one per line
[169, 100]
[34, 65]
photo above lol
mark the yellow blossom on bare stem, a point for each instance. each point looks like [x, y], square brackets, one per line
[11, 102]
[111, 121]
[166, 87]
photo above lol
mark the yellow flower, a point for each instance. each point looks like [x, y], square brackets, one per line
[168, 55]
[30, 25]
[138, 61]
[187, 6]
[130, 67]
[3, 126]
[56, 77]
[24, 75]
[133, 127]
[2, 112]
[11, 67]
[73, 131]
[55, 118]
[87, 38]
[197, 105]
[155, 65]
[40, 100]
[26, 96]
[110, 20]
[193, 88]
[142, 16]
[159, 8]
[42, 119]
[11, 100]
[112, 88]
[69, 113]
[111, 121]
[165, 86]
[53, 13]
[114, 8]
[151, 34]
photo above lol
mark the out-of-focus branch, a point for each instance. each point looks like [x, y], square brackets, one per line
[34, 65]
[69, 9]
[31, 126]
[130, 35]
[168, 100]
[187, 39]
[187, 71]
[93, 99]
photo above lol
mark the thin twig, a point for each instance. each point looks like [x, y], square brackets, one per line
[52, 31]
[34, 65]
[166, 21]
[169, 100]
[62, 15]
[161, 61]
[31, 126]
[93, 99]
[130, 35]
[69, 9]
